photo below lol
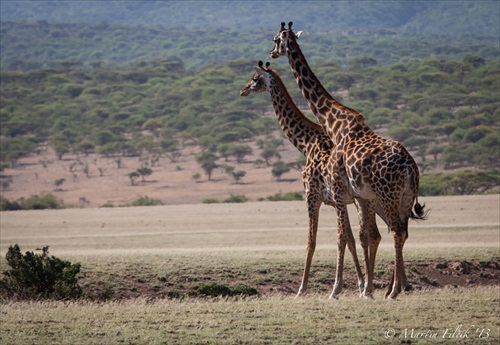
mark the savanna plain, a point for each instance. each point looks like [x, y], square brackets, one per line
[141, 265]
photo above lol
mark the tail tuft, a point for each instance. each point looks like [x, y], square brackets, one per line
[419, 213]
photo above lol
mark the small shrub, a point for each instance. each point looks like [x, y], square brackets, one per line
[106, 294]
[236, 199]
[34, 276]
[146, 201]
[212, 290]
[290, 196]
[35, 202]
[216, 289]
[211, 201]
[42, 202]
[9, 205]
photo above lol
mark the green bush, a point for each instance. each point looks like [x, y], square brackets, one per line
[9, 205]
[290, 196]
[236, 199]
[216, 289]
[34, 202]
[35, 276]
[41, 202]
[210, 201]
[146, 201]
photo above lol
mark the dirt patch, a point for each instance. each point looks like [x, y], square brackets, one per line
[421, 275]
[94, 180]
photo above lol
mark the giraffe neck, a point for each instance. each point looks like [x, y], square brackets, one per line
[332, 115]
[299, 130]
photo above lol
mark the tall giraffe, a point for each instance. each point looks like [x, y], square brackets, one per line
[310, 139]
[378, 168]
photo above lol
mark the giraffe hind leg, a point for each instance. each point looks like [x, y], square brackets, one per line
[398, 281]
[351, 245]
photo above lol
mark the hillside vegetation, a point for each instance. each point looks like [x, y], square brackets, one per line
[151, 78]
[33, 45]
[446, 112]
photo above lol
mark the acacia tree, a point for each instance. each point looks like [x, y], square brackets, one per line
[133, 175]
[170, 149]
[144, 171]
[60, 144]
[239, 151]
[238, 175]
[207, 162]
[279, 168]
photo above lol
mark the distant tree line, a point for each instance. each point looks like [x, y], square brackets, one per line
[35, 45]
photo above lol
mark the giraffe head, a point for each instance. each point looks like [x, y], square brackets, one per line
[258, 81]
[282, 40]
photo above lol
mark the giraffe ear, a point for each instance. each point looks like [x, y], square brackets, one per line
[298, 33]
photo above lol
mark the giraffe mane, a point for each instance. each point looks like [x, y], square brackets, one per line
[287, 96]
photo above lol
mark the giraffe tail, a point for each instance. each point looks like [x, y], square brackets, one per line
[418, 212]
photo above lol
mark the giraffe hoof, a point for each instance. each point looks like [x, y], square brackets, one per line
[300, 293]
[361, 287]
[392, 295]
[333, 296]
[367, 295]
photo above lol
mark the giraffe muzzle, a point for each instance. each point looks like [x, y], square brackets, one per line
[274, 55]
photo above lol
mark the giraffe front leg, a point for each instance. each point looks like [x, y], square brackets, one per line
[343, 228]
[313, 206]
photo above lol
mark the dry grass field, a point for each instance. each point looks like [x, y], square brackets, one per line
[139, 265]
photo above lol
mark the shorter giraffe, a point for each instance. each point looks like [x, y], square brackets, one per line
[310, 139]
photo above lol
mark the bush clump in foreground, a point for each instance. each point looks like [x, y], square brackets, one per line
[40, 276]
[216, 289]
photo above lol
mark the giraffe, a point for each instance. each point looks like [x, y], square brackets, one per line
[378, 169]
[311, 140]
